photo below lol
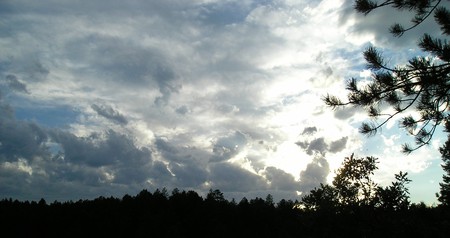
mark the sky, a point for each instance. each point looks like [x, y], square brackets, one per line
[106, 98]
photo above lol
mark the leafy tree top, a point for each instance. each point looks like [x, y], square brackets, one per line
[353, 189]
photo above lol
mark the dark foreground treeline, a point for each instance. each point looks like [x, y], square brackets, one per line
[186, 214]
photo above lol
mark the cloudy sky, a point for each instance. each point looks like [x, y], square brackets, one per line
[111, 97]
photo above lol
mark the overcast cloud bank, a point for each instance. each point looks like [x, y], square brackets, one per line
[188, 94]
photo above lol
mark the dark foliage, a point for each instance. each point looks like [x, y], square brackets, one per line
[186, 214]
[182, 214]
[396, 196]
[353, 189]
[444, 194]
[354, 206]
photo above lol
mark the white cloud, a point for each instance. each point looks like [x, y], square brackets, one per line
[21, 165]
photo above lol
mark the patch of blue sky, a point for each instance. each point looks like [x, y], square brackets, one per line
[354, 56]
[49, 116]
[424, 185]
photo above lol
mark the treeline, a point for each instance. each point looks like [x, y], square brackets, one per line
[186, 214]
[157, 214]
[353, 205]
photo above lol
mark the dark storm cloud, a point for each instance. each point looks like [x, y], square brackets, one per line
[280, 180]
[109, 113]
[19, 139]
[320, 146]
[188, 165]
[173, 152]
[13, 181]
[54, 179]
[188, 175]
[160, 175]
[191, 170]
[108, 157]
[315, 173]
[97, 151]
[168, 150]
[315, 146]
[339, 145]
[230, 177]
[44, 160]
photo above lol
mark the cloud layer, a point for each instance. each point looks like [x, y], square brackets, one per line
[113, 97]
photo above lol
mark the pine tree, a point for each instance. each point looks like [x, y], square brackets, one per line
[423, 84]
[444, 194]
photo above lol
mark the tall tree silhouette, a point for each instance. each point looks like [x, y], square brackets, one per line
[444, 194]
[422, 84]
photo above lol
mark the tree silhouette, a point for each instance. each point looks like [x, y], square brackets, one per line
[444, 194]
[269, 200]
[244, 202]
[396, 196]
[186, 214]
[353, 189]
[215, 196]
[353, 181]
[322, 198]
[422, 84]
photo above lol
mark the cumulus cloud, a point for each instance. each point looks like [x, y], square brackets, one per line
[339, 145]
[19, 139]
[315, 173]
[279, 180]
[315, 146]
[320, 146]
[32, 155]
[309, 130]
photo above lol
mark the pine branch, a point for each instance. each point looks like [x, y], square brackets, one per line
[397, 30]
[442, 17]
